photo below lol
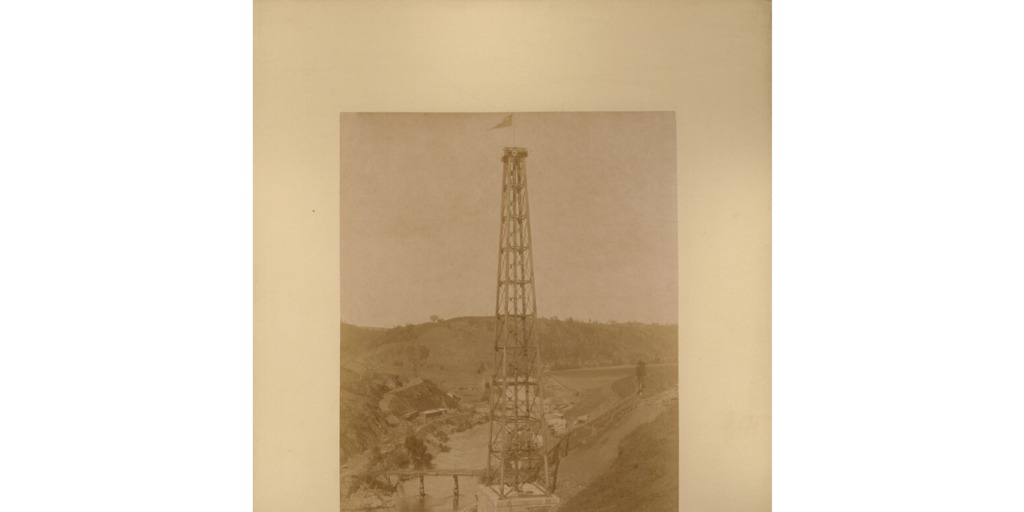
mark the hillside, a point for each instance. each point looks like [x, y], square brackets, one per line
[644, 476]
[363, 423]
[457, 354]
[371, 403]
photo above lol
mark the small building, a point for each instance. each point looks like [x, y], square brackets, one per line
[433, 413]
[556, 422]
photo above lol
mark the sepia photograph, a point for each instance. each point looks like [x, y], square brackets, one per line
[512, 256]
[509, 311]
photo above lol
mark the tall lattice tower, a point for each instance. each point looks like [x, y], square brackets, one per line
[517, 465]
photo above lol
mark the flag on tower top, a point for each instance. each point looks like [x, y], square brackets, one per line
[505, 123]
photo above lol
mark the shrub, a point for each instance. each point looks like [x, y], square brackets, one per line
[420, 457]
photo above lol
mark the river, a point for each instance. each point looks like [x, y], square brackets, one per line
[468, 451]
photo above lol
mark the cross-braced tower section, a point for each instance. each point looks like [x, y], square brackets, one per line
[516, 455]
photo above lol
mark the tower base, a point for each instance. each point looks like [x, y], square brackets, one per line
[532, 499]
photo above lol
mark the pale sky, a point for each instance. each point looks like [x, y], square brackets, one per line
[420, 198]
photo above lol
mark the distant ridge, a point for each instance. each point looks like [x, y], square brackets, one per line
[464, 345]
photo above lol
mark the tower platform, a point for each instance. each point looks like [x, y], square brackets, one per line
[532, 499]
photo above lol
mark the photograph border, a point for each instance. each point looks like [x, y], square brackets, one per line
[710, 62]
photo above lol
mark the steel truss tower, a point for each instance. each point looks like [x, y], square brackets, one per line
[516, 454]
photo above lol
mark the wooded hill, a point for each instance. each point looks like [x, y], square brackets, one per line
[459, 352]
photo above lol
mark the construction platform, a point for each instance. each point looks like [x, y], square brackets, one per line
[531, 499]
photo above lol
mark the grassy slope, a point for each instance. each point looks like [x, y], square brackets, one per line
[645, 475]
[363, 421]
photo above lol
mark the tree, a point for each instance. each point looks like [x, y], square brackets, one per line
[641, 374]
[435, 318]
[418, 454]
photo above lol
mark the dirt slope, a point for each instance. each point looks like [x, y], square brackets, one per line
[643, 477]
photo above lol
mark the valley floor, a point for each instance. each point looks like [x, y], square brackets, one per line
[577, 392]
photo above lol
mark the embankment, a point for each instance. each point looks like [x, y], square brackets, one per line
[643, 476]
